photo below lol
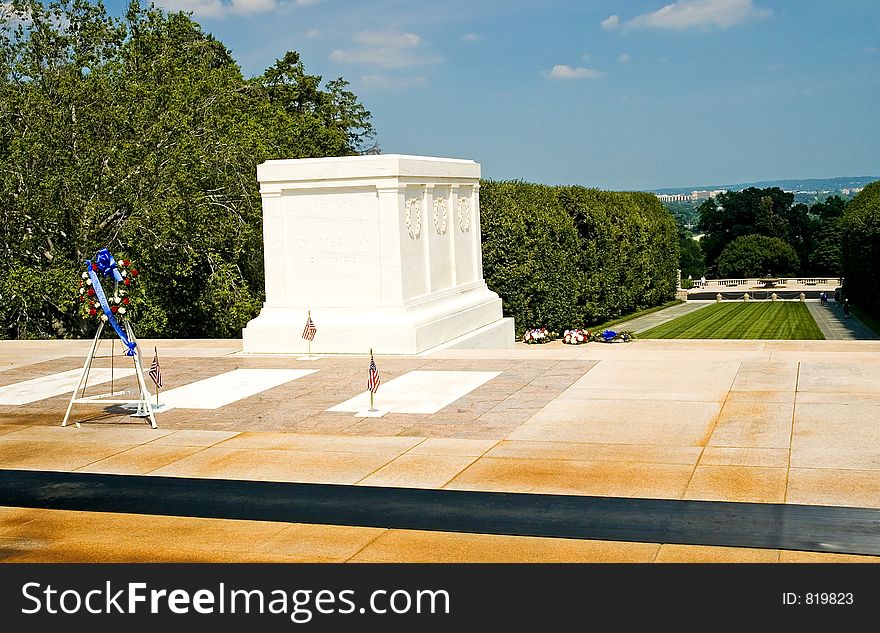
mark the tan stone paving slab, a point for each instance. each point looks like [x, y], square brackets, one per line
[193, 438]
[766, 376]
[413, 546]
[615, 479]
[737, 483]
[335, 443]
[787, 556]
[24, 550]
[277, 465]
[779, 397]
[680, 395]
[753, 424]
[693, 380]
[385, 425]
[671, 553]
[506, 416]
[622, 422]
[13, 518]
[826, 398]
[300, 542]
[830, 356]
[68, 536]
[857, 488]
[42, 455]
[419, 471]
[839, 426]
[732, 456]
[140, 459]
[677, 356]
[136, 433]
[813, 456]
[452, 446]
[597, 452]
[839, 377]
[10, 428]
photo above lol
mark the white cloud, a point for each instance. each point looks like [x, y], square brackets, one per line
[389, 38]
[472, 37]
[611, 22]
[624, 58]
[313, 34]
[386, 49]
[564, 71]
[222, 8]
[392, 83]
[699, 14]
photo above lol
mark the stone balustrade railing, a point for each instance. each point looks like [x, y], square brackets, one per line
[756, 282]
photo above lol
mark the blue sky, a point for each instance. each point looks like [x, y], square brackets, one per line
[620, 95]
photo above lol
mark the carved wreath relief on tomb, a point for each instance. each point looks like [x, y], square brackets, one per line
[413, 215]
[440, 215]
[464, 213]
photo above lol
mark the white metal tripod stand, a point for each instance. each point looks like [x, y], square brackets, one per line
[145, 409]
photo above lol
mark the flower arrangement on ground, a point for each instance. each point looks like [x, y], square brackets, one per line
[610, 336]
[119, 294]
[576, 336]
[539, 335]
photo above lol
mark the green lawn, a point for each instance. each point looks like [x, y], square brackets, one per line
[635, 315]
[775, 320]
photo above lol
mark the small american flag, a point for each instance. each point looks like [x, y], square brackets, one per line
[155, 370]
[373, 380]
[310, 329]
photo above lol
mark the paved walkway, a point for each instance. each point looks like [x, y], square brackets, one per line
[792, 422]
[641, 324]
[835, 327]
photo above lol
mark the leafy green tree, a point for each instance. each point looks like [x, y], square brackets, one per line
[769, 212]
[825, 256]
[692, 262]
[861, 248]
[756, 256]
[685, 214]
[140, 134]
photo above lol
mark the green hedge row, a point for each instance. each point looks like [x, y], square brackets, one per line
[564, 257]
[861, 249]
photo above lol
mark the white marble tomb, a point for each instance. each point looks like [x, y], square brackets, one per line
[385, 252]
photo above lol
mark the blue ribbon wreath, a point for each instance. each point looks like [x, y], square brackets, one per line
[106, 265]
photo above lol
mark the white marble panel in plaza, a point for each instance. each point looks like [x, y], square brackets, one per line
[384, 251]
[419, 392]
[44, 387]
[222, 389]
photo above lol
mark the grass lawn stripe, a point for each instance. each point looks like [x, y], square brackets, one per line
[755, 320]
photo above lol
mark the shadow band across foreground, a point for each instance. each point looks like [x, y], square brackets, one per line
[834, 529]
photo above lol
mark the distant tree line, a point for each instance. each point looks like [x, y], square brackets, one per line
[756, 232]
[141, 134]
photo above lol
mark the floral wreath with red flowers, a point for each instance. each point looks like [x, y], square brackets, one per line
[119, 294]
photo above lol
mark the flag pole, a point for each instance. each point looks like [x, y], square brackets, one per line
[156, 354]
[112, 354]
[372, 408]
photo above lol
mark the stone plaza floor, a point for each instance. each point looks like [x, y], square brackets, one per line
[780, 422]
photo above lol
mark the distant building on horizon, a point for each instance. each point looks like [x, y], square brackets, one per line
[693, 196]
